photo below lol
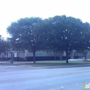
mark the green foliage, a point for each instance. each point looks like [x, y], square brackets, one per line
[59, 33]
[3, 45]
[22, 33]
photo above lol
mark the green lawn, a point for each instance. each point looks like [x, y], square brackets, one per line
[58, 63]
[45, 63]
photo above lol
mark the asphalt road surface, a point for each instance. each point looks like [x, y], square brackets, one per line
[28, 78]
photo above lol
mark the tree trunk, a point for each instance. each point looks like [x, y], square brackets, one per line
[12, 58]
[85, 56]
[67, 56]
[34, 61]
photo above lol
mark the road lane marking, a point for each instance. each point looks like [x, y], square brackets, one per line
[15, 79]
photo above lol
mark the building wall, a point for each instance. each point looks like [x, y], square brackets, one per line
[88, 55]
[45, 53]
[41, 53]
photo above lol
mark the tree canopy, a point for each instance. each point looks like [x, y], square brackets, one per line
[4, 46]
[58, 33]
[22, 35]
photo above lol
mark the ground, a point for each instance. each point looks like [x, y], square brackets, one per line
[27, 77]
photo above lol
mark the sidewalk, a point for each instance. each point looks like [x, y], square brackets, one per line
[37, 65]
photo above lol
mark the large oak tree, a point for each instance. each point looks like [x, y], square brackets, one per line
[63, 33]
[22, 35]
[59, 33]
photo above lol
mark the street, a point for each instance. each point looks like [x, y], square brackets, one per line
[28, 78]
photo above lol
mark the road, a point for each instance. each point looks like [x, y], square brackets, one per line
[28, 78]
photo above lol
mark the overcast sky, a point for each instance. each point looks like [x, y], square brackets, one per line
[12, 10]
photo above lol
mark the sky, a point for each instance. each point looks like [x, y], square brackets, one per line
[12, 10]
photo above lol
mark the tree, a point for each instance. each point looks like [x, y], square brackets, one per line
[22, 34]
[58, 34]
[63, 33]
[71, 34]
[4, 46]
